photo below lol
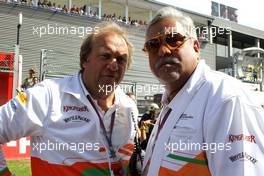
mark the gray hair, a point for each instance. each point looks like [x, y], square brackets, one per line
[169, 12]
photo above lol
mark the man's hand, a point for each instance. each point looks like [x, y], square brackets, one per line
[147, 122]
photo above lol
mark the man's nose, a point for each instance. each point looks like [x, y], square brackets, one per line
[164, 50]
[113, 65]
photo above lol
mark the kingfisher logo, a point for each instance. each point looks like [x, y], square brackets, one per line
[242, 137]
[75, 108]
[76, 118]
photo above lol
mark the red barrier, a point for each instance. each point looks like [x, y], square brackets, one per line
[6, 61]
[6, 77]
[6, 81]
[19, 149]
[16, 149]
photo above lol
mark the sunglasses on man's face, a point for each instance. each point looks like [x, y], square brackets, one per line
[171, 40]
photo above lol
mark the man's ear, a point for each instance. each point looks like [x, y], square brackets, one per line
[196, 46]
[84, 64]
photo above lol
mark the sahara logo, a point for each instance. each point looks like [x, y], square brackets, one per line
[76, 118]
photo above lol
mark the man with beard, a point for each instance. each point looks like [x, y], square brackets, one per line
[81, 124]
[204, 112]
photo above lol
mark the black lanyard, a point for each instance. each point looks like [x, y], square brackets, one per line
[160, 126]
[109, 139]
[161, 123]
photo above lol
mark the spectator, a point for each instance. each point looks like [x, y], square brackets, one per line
[28, 82]
[146, 123]
[74, 10]
[59, 8]
[35, 80]
[65, 9]
[49, 5]
[255, 75]
[124, 19]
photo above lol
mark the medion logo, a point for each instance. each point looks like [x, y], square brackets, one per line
[242, 155]
[185, 117]
[242, 137]
[75, 108]
[76, 118]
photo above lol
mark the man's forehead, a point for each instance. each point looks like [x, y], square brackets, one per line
[110, 42]
[109, 38]
[165, 26]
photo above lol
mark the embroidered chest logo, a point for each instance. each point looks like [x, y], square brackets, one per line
[185, 117]
[67, 108]
[242, 137]
[76, 118]
[243, 156]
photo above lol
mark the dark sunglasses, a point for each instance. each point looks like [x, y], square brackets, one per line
[172, 41]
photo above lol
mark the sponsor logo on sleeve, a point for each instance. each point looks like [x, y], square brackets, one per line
[13, 105]
[22, 97]
[242, 156]
[241, 137]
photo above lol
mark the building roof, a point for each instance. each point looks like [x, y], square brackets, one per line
[196, 17]
[238, 28]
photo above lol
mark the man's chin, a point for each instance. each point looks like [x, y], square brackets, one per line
[105, 95]
[168, 77]
[107, 87]
[109, 81]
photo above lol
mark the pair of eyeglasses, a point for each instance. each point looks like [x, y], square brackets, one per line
[171, 40]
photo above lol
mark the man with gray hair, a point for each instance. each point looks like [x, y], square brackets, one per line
[81, 124]
[208, 125]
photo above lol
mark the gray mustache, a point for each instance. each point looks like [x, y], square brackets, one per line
[166, 60]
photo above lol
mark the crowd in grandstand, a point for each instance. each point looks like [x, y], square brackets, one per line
[123, 20]
[82, 11]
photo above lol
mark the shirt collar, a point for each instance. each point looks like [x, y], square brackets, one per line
[82, 85]
[117, 90]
